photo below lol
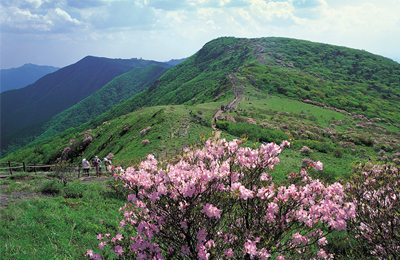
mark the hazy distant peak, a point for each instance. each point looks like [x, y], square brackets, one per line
[175, 62]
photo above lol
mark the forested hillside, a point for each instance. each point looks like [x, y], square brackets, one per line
[58, 91]
[116, 91]
[26, 113]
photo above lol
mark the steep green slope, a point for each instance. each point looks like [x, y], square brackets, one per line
[343, 78]
[171, 128]
[201, 78]
[116, 91]
[57, 91]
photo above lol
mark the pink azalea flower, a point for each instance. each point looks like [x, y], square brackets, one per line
[318, 165]
[102, 244]
[229, 253]
[89, 253]
[119, 237]
[185, 250]
[211, 211]
[280, 257]
[201, 236]
[250, 247]
[96, 257]
[118, 249]
[322, 254]
[322, 241]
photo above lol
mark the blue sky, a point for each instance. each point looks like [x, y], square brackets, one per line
[59, 33]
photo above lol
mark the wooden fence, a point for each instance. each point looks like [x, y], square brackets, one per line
[14, 166]
[35, 168]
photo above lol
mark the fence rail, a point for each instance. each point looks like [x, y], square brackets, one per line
[11, 167]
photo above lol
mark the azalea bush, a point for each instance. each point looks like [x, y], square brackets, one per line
[375, 190]
[221, 202]
[146, 130]
[146, 141]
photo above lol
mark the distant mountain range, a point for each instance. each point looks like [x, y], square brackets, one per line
[175, 62]
[59, 90]
[20, 77]
[56, 92]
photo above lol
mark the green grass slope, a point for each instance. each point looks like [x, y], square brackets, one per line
[343, 78]
[172, 127]
[340, 77]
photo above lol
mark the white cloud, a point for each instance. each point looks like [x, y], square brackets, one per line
[116, 26]
[269, 12]
[28, 17]
[223, 2]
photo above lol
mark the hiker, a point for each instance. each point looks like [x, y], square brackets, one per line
[107, 162]
[100, 163]
[86, 166]
[96, 162]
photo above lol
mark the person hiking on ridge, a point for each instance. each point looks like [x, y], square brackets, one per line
[86, 166]
[107, 162]
[96, 165]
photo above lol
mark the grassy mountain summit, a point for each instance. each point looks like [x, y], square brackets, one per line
[357, 86]
[343, 78]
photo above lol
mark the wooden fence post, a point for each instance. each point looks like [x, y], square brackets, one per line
[9, 165]
[24, 166]
[34, 168]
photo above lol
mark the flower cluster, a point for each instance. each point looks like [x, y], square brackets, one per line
[144, 131]
[231, 119]
[251, 121]
[221, 202]
[376, 191]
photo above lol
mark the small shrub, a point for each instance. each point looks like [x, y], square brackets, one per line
[306, 162]
[73, 191]
[21, 176]
[52, 187]
[306, 151]
[313, 157]
[338, 152]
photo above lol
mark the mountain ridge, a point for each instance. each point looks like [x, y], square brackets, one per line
[57, 91]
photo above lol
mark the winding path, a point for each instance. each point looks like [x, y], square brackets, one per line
[232, 103]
